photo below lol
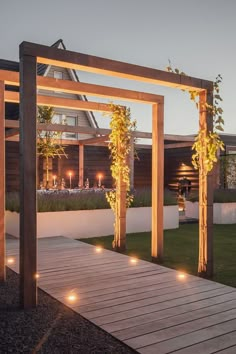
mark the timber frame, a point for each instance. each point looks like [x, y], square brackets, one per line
[30, 55]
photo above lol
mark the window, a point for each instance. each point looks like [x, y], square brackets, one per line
[66, 120]
[58, 75]
[57, 119]
[70, 120]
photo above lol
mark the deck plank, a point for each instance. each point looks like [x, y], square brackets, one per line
[189, 339]
[144, 305]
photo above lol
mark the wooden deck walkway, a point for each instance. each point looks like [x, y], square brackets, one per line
[146, 306]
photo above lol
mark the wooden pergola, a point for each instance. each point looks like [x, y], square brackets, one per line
[30, 55]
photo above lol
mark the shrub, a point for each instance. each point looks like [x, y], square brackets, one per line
[220, 196]
[225, 196]
[83, 200]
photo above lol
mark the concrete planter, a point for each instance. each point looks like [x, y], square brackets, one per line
[223, 213]
[91, 223]
[192, 210]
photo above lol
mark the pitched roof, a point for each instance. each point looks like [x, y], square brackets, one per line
[12, 109]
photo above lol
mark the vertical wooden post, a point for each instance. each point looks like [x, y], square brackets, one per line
[157, 181]
[131, 163]
[28, 209]
[205, 264]
[81, 166]
[120, 217]
[2, 184]
[120, 227]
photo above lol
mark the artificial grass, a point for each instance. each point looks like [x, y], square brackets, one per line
[181, 249]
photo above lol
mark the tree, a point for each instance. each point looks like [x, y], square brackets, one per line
[48, 144]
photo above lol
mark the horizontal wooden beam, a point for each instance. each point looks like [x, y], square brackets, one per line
[13, 135]
[142, 135]
[67, 103]
[178, 145]
[68, 86]
[61, 128]
[74, 129]
[180, 138]
[10, 77]
[79, 61]
[47, 83]
[14, 124]
[64, 142]
[143, 146]
[95, 140]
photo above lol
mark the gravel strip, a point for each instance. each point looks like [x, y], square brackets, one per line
[50, 328]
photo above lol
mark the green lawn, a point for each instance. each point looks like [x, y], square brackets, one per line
[181, 249]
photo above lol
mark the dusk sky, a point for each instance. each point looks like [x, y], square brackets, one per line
[197, 36]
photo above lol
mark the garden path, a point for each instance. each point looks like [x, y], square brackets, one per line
[146, 306]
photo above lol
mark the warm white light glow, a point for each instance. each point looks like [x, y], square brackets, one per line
[181, 276]
[10, 260]
[70, 174]
[72, 297]
[36, 275]
[98, 249]
[99, 176]
[54, 180]
[133, 260]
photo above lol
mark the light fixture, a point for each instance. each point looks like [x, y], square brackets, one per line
[181, 276]
[133, 260]
[54, 180]
[10, 260]
[36, 275]
[99, 176]
[98, 249]
[72, 298]
[70, 174]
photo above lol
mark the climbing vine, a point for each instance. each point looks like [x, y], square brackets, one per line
[210, 139]
[120, 146]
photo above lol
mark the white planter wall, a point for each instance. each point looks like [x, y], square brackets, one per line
[12, 223]
[192, 210]
[223, 213]
[91, 223]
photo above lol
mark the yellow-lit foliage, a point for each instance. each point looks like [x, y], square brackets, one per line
[120, 146]
[207, 143]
